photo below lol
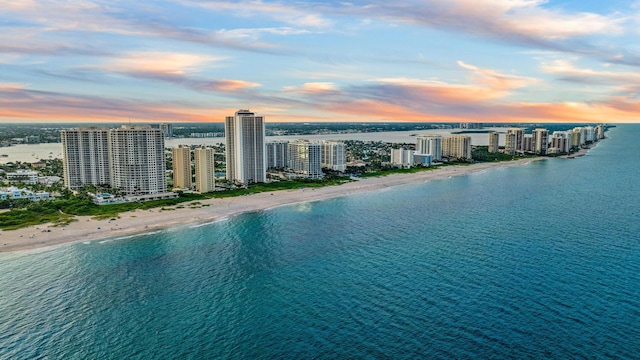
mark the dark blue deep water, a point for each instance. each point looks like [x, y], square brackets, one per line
[535, 261]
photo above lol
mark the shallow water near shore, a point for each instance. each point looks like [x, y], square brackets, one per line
[540, 260]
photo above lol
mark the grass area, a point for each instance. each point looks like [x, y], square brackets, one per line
[62, 212]
[19, 218]
[481, 154]
[386, 172]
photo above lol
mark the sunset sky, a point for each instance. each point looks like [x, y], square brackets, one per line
[375, 60]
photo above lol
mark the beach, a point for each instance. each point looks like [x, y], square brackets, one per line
[204, 211]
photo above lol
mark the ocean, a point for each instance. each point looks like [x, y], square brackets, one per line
[535, 261]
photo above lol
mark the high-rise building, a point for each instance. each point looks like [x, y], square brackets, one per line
[494, 139]
[305, 158]
[519, 141]
[599, 132]
[528, 144]
[205, 169]
[85, 153]
[471, 125]
[457, 147]
[167, 128]
[510, 143]
[560, 142]
[334, 155]
[245, 147]
[430, 144]
[182, 167]
[401, 157]
[276, 154]
[137, 160]
[590, 134]
[540, 141]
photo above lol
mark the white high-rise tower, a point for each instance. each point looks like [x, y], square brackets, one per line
[137, 160]
[86, 157]
[430, 144]
[245, 147]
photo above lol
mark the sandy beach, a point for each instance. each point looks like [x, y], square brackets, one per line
[141, 221]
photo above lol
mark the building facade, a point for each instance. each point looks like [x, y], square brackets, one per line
[402, 158]
[28, 177]
[334, 155]
[277, 154]
[182, 178]
[540, 141]
[494, 139]
[457, 147]
[137, 160]
[430, 145]
[305, 158]
[560, 142]
[205, 169]
[510, 143]
[85, 154]
[519, 138]
[245, 147]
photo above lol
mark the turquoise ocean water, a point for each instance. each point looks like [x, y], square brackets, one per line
[535, 261]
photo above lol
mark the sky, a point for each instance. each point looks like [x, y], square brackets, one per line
[370, 61]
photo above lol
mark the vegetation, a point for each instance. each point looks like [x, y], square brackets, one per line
[393, 170]
[62, 211]
[481, 154]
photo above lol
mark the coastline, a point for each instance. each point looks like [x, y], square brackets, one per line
[205, 211]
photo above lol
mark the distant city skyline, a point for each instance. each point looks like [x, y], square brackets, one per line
[510, 61]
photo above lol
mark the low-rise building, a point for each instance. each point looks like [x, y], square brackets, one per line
[14, 193]
[28, 177]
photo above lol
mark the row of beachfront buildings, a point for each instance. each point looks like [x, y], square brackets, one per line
[431, 148]
[132, 158]
[539, 142]
[436, 148]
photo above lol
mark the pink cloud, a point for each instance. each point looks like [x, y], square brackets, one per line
[311, 88]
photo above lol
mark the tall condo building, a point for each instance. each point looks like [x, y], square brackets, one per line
[137, 160]
[590, 134]
[528, 144]
[334, 155]
[305, 158]
[167, 128]
[205, 169]
[494, 139]
[181, 167]
[245, 147]
[510, 143]
[457, 146]
[540, 141]
[519, 138]
[599, 132]
[277, 154]
[560, 142]
[85, 153]
[402, 158]
[430, 145]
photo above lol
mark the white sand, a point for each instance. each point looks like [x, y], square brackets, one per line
[141, 221]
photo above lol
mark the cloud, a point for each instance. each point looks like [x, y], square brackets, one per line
[312, 88]
[170, 63]
[66, 20]
[177, 68]
[300, 14]
[568, 72]
[517, 20]
[19, 102]
[485, 98]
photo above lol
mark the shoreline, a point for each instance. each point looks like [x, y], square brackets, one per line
[139, 222]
